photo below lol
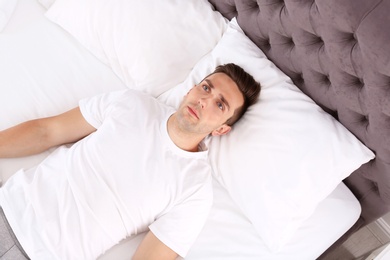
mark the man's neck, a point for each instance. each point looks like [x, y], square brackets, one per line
[184, 140]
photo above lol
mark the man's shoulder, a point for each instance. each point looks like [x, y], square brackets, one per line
[135, 99]
[145, 97]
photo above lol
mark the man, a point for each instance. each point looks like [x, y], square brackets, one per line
[137, 165]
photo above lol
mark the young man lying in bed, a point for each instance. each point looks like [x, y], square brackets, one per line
[136, 165]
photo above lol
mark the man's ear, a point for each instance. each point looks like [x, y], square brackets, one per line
[222, 130]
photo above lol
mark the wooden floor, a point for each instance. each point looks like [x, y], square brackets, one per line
[360, 244]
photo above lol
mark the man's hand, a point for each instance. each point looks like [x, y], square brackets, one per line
[38, 135]
[151, 248]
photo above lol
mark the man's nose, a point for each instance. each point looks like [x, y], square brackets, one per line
[202, 102]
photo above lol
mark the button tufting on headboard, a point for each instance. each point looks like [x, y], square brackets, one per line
[338, 53]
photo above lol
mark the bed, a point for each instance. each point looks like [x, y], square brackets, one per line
[305, 168]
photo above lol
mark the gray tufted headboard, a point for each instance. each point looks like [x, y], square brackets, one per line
[338, 53]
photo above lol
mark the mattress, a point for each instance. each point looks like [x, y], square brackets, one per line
[36, 59]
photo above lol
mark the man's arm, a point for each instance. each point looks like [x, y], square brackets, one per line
[151, 248]
[38, 135]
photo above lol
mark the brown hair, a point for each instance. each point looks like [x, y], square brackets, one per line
[248, 86]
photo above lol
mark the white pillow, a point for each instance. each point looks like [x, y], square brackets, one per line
[7, 8]
[46, 3]
[152, 44]
[285, 155]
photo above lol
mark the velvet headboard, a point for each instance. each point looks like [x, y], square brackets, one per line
[338, 53]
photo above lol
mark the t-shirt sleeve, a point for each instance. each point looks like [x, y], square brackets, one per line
[179, 228]
[95, 109]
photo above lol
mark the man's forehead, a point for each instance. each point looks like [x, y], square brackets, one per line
[219, 80]
[227, 86]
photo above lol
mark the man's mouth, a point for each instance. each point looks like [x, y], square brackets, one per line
[193, 112]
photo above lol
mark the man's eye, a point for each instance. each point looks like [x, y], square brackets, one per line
[220, 105]
[206, 88]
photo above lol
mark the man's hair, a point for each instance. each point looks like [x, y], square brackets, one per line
[247, 85]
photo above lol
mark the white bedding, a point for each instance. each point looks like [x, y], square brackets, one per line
[228, 235]
[58, 71]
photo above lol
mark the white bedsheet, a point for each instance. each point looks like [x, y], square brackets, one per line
[44, 71]
[228, 235]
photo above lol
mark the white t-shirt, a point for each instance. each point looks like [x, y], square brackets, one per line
[118, 181]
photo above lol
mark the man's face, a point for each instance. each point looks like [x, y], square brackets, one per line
[208, 105]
